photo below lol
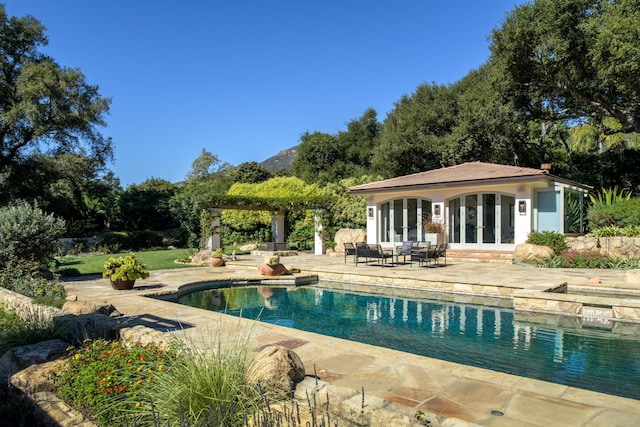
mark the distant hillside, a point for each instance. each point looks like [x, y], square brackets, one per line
[282, 160]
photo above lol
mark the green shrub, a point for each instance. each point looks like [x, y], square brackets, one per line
[146, 239]
[28, 234]
[116, 241]
[622, 213]
[614, 230]
[24, 279]
[600, 215]
[111, 241]
[555, 241]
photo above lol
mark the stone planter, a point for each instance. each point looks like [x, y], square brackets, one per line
[432, 238]
[122, 285]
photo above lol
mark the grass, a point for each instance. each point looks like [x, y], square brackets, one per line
[73, 266]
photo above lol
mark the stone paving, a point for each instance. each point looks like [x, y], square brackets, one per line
[421, 383]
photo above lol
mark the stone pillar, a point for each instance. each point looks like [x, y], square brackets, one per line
[277, 227]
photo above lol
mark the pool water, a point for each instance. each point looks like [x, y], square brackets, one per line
[484, 336]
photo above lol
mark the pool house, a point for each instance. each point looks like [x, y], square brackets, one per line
[481, 206]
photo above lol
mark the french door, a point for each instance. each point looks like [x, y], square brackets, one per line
[401, 219]
[481, 220]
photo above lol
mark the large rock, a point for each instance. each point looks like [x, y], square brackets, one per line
[352, 235]
[84, 307]
[202, 258]
[273, 270]
[19, 358]
[532, 254]
[276, 369]
[37, 378]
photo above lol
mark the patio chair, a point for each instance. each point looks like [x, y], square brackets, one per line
[362, 250]
[404, 250]
[419, 252]
[441, 251]
[375, 252]
[349, 250]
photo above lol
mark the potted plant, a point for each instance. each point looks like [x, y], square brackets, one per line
[123, 271]
[432, 229]
[216, 258]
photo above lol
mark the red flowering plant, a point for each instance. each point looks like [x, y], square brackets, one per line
[105, 378]
[574, 258]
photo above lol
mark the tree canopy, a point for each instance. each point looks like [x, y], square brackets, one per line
[573, 60]
[44, 106]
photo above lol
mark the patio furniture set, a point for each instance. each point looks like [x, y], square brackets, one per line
[422, 252]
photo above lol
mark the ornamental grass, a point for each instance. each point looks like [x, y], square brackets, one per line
[205, 386]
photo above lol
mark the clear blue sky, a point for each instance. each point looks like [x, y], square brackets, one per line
[245, 79]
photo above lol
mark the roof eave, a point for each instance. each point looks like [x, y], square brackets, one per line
[470, 183]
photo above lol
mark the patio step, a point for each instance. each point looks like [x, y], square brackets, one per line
[470, 255]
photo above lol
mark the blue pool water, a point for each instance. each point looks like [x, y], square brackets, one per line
[484, 336]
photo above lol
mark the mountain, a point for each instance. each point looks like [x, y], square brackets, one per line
[282, 160]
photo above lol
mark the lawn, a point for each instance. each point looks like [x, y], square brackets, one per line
[73, 266]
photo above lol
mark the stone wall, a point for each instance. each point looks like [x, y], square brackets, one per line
[619, 247]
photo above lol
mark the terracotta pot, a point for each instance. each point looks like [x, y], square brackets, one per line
[217, 262]
[122, 285]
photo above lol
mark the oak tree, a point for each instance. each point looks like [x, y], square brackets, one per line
[44, 106]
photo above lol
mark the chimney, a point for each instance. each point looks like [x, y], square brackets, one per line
[546, 167]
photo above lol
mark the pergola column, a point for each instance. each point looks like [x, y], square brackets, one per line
[277, 226]
[318, 247]
[213, 241]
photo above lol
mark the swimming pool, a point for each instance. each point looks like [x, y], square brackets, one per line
[484, 335]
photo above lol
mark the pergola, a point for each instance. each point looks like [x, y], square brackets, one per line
[279, 208]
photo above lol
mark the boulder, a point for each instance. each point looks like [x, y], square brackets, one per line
[84, 307]
[248, 247]
[276, 369]
[19, 358]
[352, 235]
[202, 258]
[272, 270]
[532, 254]
[36, 378]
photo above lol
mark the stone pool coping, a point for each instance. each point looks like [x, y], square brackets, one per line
[450, 390]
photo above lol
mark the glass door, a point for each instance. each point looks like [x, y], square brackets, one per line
[470, 210]
[481, 220]
[488, 218]
[401, 220]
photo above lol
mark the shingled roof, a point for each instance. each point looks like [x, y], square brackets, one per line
[472, 173]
